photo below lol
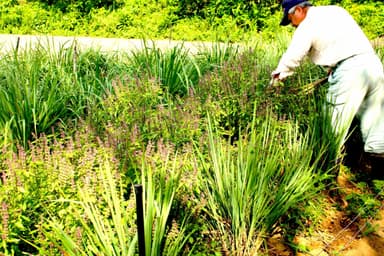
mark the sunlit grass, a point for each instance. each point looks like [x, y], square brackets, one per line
[160, 185]
[42, 87]
[250, 186]
[175, 69]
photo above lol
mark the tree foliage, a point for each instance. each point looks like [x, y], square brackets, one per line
[82, 5]
[242, 11]
[190, 20]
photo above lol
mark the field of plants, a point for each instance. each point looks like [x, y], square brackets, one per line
[227, 164]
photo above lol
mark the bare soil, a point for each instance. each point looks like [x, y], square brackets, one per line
[339, 233]
[336, 234]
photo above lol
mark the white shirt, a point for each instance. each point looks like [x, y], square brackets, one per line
[327, 35]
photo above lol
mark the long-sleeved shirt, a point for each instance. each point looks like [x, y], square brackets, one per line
[327, 35]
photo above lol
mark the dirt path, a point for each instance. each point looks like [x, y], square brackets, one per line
[9, 42]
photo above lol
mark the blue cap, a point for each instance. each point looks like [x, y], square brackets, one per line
[287, 5]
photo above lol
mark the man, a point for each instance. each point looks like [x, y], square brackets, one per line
[331, 38]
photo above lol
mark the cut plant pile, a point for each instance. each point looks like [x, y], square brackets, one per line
[340, 232]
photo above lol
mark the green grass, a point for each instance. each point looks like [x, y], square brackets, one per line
[175, 69]
[45, 87]
[251, 185]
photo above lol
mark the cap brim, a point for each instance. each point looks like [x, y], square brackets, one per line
[285, 21]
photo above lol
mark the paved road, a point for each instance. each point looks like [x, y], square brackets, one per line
[9, 42]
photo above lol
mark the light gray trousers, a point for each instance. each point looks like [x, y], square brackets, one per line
[357, 89]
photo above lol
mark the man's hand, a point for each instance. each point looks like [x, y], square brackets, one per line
[275, 78]
[275, 75]
[273, 81]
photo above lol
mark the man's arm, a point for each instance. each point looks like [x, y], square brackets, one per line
[299, 47]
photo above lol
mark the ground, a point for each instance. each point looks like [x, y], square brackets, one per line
[339, 232]
[352, 216]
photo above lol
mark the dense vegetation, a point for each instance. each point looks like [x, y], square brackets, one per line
[86, 127]
[225, 161]
[205, 20]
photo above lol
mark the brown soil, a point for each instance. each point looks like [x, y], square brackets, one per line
[340, 234]
[337, 234]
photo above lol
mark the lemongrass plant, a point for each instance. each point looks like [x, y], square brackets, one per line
[214, 56]
[30, 96]
[175, 69]
[249, 187]
[160, 181]
[49, 85]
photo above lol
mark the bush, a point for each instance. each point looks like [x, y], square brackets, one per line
[84, 6]
[247, 14]
[369, 16]
[205, 20]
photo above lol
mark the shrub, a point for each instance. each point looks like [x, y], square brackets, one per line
[368, 16]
